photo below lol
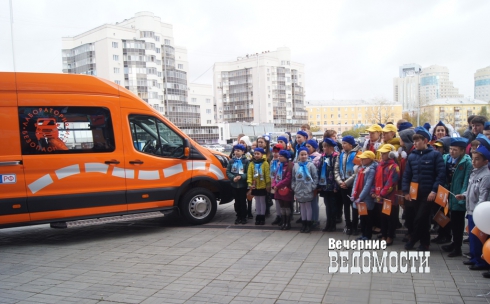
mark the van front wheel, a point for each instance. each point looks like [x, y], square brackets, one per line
[198, 206]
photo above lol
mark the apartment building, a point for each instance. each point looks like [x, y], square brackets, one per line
[259, 88]
[454, 111]
[140, 54]
[343, 115]
[482, 84]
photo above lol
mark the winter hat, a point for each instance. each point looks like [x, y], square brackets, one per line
[303, 149]
[330, 142]
[440, 124]
[406, 135]
[459, 142]
[349, 139]
[423, 132]
[487, 126]
[239, 147]
[404, 126]
[427, 126]
[285, 153]
[283, 138]
[302, 133]
[483, 151]
[312, 143]
[258, 149]
[247, 140]
[483, 140]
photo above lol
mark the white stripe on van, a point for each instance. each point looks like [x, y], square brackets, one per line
[96, 168]
[196, 165]
[173, 170]
[40, 183]
[118, 172]
[148, 175]
[216, 171]
[67, 171]
[129, 173]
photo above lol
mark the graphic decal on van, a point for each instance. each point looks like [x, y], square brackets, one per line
[47, 136]
[65, 129]
[71, 170]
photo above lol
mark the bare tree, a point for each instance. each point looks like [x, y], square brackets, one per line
[380, 110]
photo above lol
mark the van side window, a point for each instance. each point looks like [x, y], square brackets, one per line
[151, 136]
[64, 130]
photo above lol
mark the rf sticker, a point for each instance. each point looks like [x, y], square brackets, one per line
[8, 178]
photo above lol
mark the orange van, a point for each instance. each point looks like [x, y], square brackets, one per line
[77, 147]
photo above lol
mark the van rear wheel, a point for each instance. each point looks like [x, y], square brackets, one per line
[198, 206]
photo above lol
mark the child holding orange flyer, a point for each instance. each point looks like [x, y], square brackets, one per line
[385, 186]
[361, 192]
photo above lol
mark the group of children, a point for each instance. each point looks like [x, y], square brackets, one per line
[398, 166]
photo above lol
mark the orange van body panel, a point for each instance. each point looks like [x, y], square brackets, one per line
[8, 90]
[14, 218]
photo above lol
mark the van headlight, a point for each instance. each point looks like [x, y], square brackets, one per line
[222, 159]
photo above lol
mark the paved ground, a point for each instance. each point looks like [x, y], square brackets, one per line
[162, 261]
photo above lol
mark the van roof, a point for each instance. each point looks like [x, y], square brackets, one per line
[59, 83]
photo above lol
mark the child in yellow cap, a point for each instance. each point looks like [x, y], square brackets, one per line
[361, 192]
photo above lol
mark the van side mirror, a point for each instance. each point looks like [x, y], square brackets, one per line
[187, 148]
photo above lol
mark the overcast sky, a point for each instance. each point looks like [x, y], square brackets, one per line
[351, 49]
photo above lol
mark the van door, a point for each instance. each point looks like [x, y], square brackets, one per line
[73, 155]
[154, 155]
[13, 206]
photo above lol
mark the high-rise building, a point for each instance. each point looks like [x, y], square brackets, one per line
[265, 87]
[140, 54]
[435, 84]
[417, 86]
[343, 115]
[482, 84]
[406, 86]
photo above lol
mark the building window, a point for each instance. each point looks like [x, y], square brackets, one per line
[208, 111]
[157, 50]
[180, 66]
[116, 70]
[115, 57]
[208, 122]
[117, 81]
[115, 45]
[157, 38]
[208, 100]
[194, 99]
[167, 42]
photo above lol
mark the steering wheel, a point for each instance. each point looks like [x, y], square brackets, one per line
[147, 146]
[177, 151]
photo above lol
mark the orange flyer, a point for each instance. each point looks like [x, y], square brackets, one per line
[414, 189]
